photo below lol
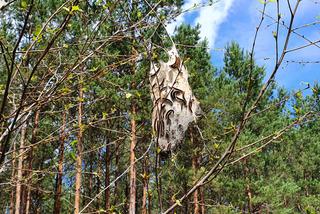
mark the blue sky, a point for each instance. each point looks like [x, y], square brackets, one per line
[236, 20]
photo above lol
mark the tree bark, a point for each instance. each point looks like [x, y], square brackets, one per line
[58, 189]
[195, 166]
[145, 187]
[133, 178]
[195, 194]
[79, 152]
[30, 161]
[19, 170]
[28, 200]
[117, 172]
[202, 201]
[196, 202]
[98, 177]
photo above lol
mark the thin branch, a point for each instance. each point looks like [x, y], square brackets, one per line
[116, 179]
[274, 137]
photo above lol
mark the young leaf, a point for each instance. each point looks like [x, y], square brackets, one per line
[76, 8]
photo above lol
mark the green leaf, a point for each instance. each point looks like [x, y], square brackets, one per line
[37, 34]
[266, 1]
[76, 8]
[299, 95]
[104, 115]
[262, 1]
[216, 146]
[73, 155]
[297, 109]
[139, 14]
[68, 106]
[274, 34]
[158, 150]
[74, 142]
[24, 4]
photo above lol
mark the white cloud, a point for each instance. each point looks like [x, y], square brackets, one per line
[210, 18]
[170, 27]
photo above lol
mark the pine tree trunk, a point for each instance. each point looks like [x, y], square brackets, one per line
[38, 196]
[196, 202]
[19, 170]
[98, 177]
[30, 160]
[202, 202]
[133, 179]
[195, 167]
[79, 153]
[107, 178]
[58, 189]
[24, 188]
[117, 172]
[28, 200]
[195, 194]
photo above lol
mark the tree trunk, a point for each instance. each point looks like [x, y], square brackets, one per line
[28, 200]
[58, 189]
[195, 194]
[107, 178]
[98, 177]
[202, 202]
[195, 166]
[19, 170]
[133, 178]
[196, 202]
[24, 188]
[30, 160]
[117, 172]
[79, 152]
[38, 195]
[145, 187]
